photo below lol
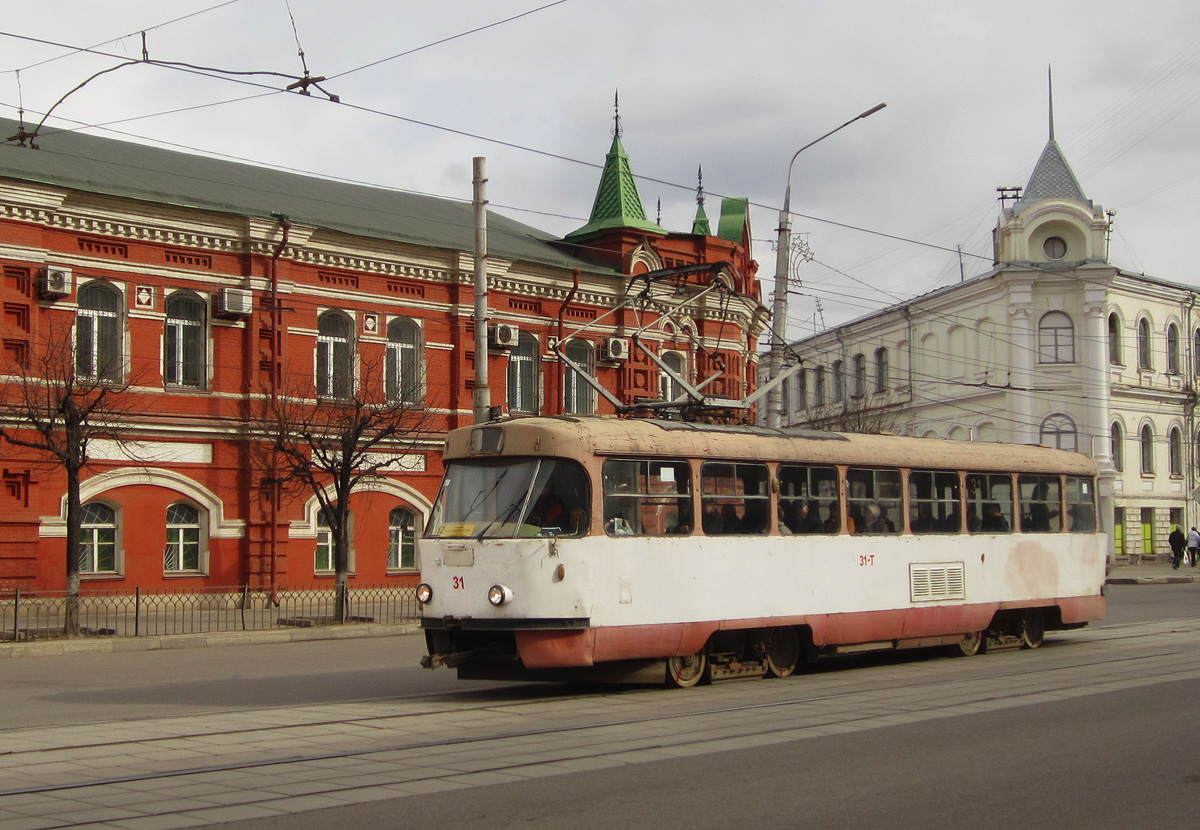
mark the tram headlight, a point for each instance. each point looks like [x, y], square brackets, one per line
[500, 595]
[424, 593]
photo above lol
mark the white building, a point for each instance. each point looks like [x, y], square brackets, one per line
[1054, 345]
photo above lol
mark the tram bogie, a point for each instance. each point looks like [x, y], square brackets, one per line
[563, 548]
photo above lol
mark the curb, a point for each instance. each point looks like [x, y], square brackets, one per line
[97, 645]
[1150, 580]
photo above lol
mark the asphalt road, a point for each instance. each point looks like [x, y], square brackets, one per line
[1097, 729]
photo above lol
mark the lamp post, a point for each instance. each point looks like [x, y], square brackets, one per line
[775, 414]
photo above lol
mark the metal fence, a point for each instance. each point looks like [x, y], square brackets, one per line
[38, 615]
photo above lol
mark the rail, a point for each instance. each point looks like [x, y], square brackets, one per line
[39, 615]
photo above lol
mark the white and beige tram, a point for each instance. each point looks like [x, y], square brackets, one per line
[569, 548]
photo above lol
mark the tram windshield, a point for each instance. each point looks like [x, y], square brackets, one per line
[510, 498]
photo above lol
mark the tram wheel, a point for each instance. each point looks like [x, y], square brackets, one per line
[782, 651]
[972, 643]
[1033, 628]
[686, 672]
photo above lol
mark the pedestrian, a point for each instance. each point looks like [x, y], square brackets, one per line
[1193, 545]
[1177, 541]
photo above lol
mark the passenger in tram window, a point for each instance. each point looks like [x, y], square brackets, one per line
[1040, 513]
[973, 521]
[875, 521]
[952, 523]
[993, 519]
[756, 520]
[785, 520]
[833, 524]
[811, 522]
[710, 522]
[924, 522]
[729, 520]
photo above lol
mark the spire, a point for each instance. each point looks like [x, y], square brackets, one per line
[700, 223]
[1052, 177]
[618, 203]
[1050, 84]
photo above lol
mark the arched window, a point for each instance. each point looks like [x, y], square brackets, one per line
[183, 538]
[1114, 340]
[184, 349]
[1144, 360]
[839, 381]
[98, 539]
[1175, 451]
[335, 370]
[1173, 349]
[860, 376]
[579, 398]
[1147, 447]
[1117, 447]
[1056, 338]
[801, 390]
[524, 368]
[403, 365]
[402, 540]
[819, 386]
[882, 380]
[98, 332]
[1059, 431]
[1196, 353]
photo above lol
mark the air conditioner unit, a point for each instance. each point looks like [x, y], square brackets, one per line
[236, 302]
[615, 348]
[54, 282]
[504, 335]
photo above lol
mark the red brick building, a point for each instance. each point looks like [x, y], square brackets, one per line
[206, 286]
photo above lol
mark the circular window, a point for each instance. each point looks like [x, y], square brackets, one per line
[1055, 247]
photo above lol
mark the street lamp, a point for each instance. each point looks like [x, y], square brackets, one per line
[775, 414]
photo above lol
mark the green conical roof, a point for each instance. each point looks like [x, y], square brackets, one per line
[618, 203]
[700, 223]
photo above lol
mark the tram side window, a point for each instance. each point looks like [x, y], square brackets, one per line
[873, 500]
[933, 502]
[734, 499]
[1041, 503]
[989, 503]
[1081, 505]
[808, 498]
[647, 498]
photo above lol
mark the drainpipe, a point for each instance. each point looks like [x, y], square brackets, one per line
[1189, 413]
[276, 322]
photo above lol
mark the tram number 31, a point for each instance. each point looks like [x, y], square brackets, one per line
[866, 560]
[459, 583]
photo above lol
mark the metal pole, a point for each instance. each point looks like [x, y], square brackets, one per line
[775, 413]
[481, 395]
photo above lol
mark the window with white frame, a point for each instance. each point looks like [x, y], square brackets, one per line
[860, 376]
[1143, 344]
[98, 539]
[1173, 349]
[819, 386]
[184, 352]
[1056, 338]
[324, 559]
[403, 364]
[579, 398]
[882, 381]
[1147, 448]
[1114, 340]
[335, 362]
[524, 368]
[839, 381]
[1175, 451]
[402, 540]
[672, 389]
[1117, 447]
[183, 539]
[98, 324]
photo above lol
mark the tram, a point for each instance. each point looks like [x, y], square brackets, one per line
[633, 549]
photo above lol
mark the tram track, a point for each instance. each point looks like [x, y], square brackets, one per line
[659, 715]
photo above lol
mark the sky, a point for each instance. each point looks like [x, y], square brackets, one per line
[884, 205]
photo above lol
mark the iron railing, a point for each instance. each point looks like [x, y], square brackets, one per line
[37, 615]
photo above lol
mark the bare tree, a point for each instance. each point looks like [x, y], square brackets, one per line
[330, 444]
[856, 416]
[56, 402]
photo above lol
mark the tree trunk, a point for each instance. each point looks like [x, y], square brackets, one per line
[74, 522]
[341, 560]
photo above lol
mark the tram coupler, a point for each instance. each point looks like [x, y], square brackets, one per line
[450, 661]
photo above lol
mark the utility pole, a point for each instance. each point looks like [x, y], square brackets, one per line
[481, 394]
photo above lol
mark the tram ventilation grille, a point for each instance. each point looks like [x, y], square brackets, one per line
[937, 580]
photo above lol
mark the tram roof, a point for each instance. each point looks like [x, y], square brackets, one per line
[571, 437]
